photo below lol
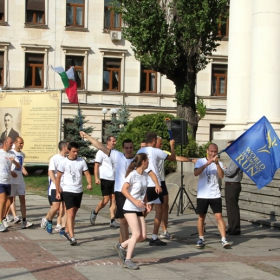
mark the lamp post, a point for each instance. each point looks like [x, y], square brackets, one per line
[113, 112]
[104, 112]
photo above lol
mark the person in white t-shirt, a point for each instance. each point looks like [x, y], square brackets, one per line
[121, 161]
[72, 168]
[209, 170]
[56, 205]
[6, 160]
[134, 189]
[104, 174]
[17, 183]
[154, 194]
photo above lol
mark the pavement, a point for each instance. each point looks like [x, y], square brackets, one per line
[34, 254]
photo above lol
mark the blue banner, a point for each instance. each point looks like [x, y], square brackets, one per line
[257, 152]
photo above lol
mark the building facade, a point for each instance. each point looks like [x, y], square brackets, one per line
[86, 35]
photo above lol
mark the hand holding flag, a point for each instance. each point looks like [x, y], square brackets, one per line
[168, 125]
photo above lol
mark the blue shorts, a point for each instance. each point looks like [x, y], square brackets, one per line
[5, 188]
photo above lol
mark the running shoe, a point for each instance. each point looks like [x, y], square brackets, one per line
[26, 224]
[92, 217]
[43, 223]
[114, 224]
[121, 251]
[49, 227]
[157, 242]
[130, 265]
[200, 243]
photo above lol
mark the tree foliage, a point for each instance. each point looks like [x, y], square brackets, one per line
[118, 122]
[175, 38]
[71, 133]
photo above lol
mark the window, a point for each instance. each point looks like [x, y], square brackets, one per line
[2, 10]
[112, 74]
[78, 63]
[112, 20]
[75, 13]
[35, 11]
[219, 79]
[1, 68]
[34, 70]
[215, 128]
[223, 28]
[148, 80]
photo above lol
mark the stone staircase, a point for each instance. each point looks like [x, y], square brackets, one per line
[260, 206]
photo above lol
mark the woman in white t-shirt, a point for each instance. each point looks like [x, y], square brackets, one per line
[134, 189]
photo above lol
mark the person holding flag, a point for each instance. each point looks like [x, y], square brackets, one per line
[209, 170]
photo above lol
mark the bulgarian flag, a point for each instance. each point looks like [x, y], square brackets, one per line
[68, 80]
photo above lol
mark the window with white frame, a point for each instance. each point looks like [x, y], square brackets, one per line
[219, 80]
[75, 13]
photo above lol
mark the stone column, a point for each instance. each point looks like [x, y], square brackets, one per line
[239, 68]
[265, 63]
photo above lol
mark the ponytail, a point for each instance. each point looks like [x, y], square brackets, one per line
[137, 161]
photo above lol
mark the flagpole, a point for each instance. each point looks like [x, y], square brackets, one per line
[80, 117]
[60, 115]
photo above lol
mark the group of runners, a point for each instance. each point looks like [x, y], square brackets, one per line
[134, 184]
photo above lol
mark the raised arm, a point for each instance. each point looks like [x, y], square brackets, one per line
[172, 156]
[97, 144]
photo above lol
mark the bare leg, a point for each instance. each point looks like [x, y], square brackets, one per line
[3, 200]
[71, 214]
[22, 205]
[113, 206]
[221, 224]
[124, 233]
[200, 224]
[157, 220]
[165, 208]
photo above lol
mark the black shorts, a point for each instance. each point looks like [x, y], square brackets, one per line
[72, 199]
[50, 200]
[152, 195]
[138, 214]
[164, 188]
[120, 200]
[203, 203]
[5, 188]
[107, 187]
[53, 196]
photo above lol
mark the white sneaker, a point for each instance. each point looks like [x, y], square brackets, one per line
[2, 228]
[114, 224]
[225, 244]
[43, 223]
[26, 224]
[165, 235]
[5, 223]
[58, 228]
[9, 218]
[16, 220]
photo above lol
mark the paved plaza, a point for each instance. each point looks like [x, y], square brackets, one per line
[35, 254]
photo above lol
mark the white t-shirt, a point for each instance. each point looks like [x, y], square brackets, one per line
[107, 167]
[54, 162]
[161, 167]
[5, 166]
[208, 185]
[73, 174]
[138, 186]
[19, 179]
[121, 164]
[154, 155]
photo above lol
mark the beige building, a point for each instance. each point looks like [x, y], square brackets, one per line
[86, 34]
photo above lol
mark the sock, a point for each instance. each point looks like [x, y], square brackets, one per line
[223, 239]
[112, 220]
[94, 212]
[154, 236]
[165, 232]
[24, 219]
[201, 237]
[50, 221]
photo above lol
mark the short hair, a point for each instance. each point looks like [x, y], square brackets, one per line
[72, 145]
[62, 144]
[150, 136]
[17, 138]
[126, 141]
[8, 114]
[143, 141]
[214, 145]
[109, 138]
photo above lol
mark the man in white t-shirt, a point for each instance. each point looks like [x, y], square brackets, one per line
[17, 183]
[209, 170]
[72, 168]
[104, 174]
[6, 160]
[154, 195]
[56, 205]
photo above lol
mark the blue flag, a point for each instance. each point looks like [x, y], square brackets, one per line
[257, 152]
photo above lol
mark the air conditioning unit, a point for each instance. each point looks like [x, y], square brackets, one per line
[116, 35]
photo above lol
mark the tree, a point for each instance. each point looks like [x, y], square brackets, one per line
[71, 133]
[118, 122]
[175, 38]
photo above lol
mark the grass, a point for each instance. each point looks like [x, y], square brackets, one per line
[39, 184]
